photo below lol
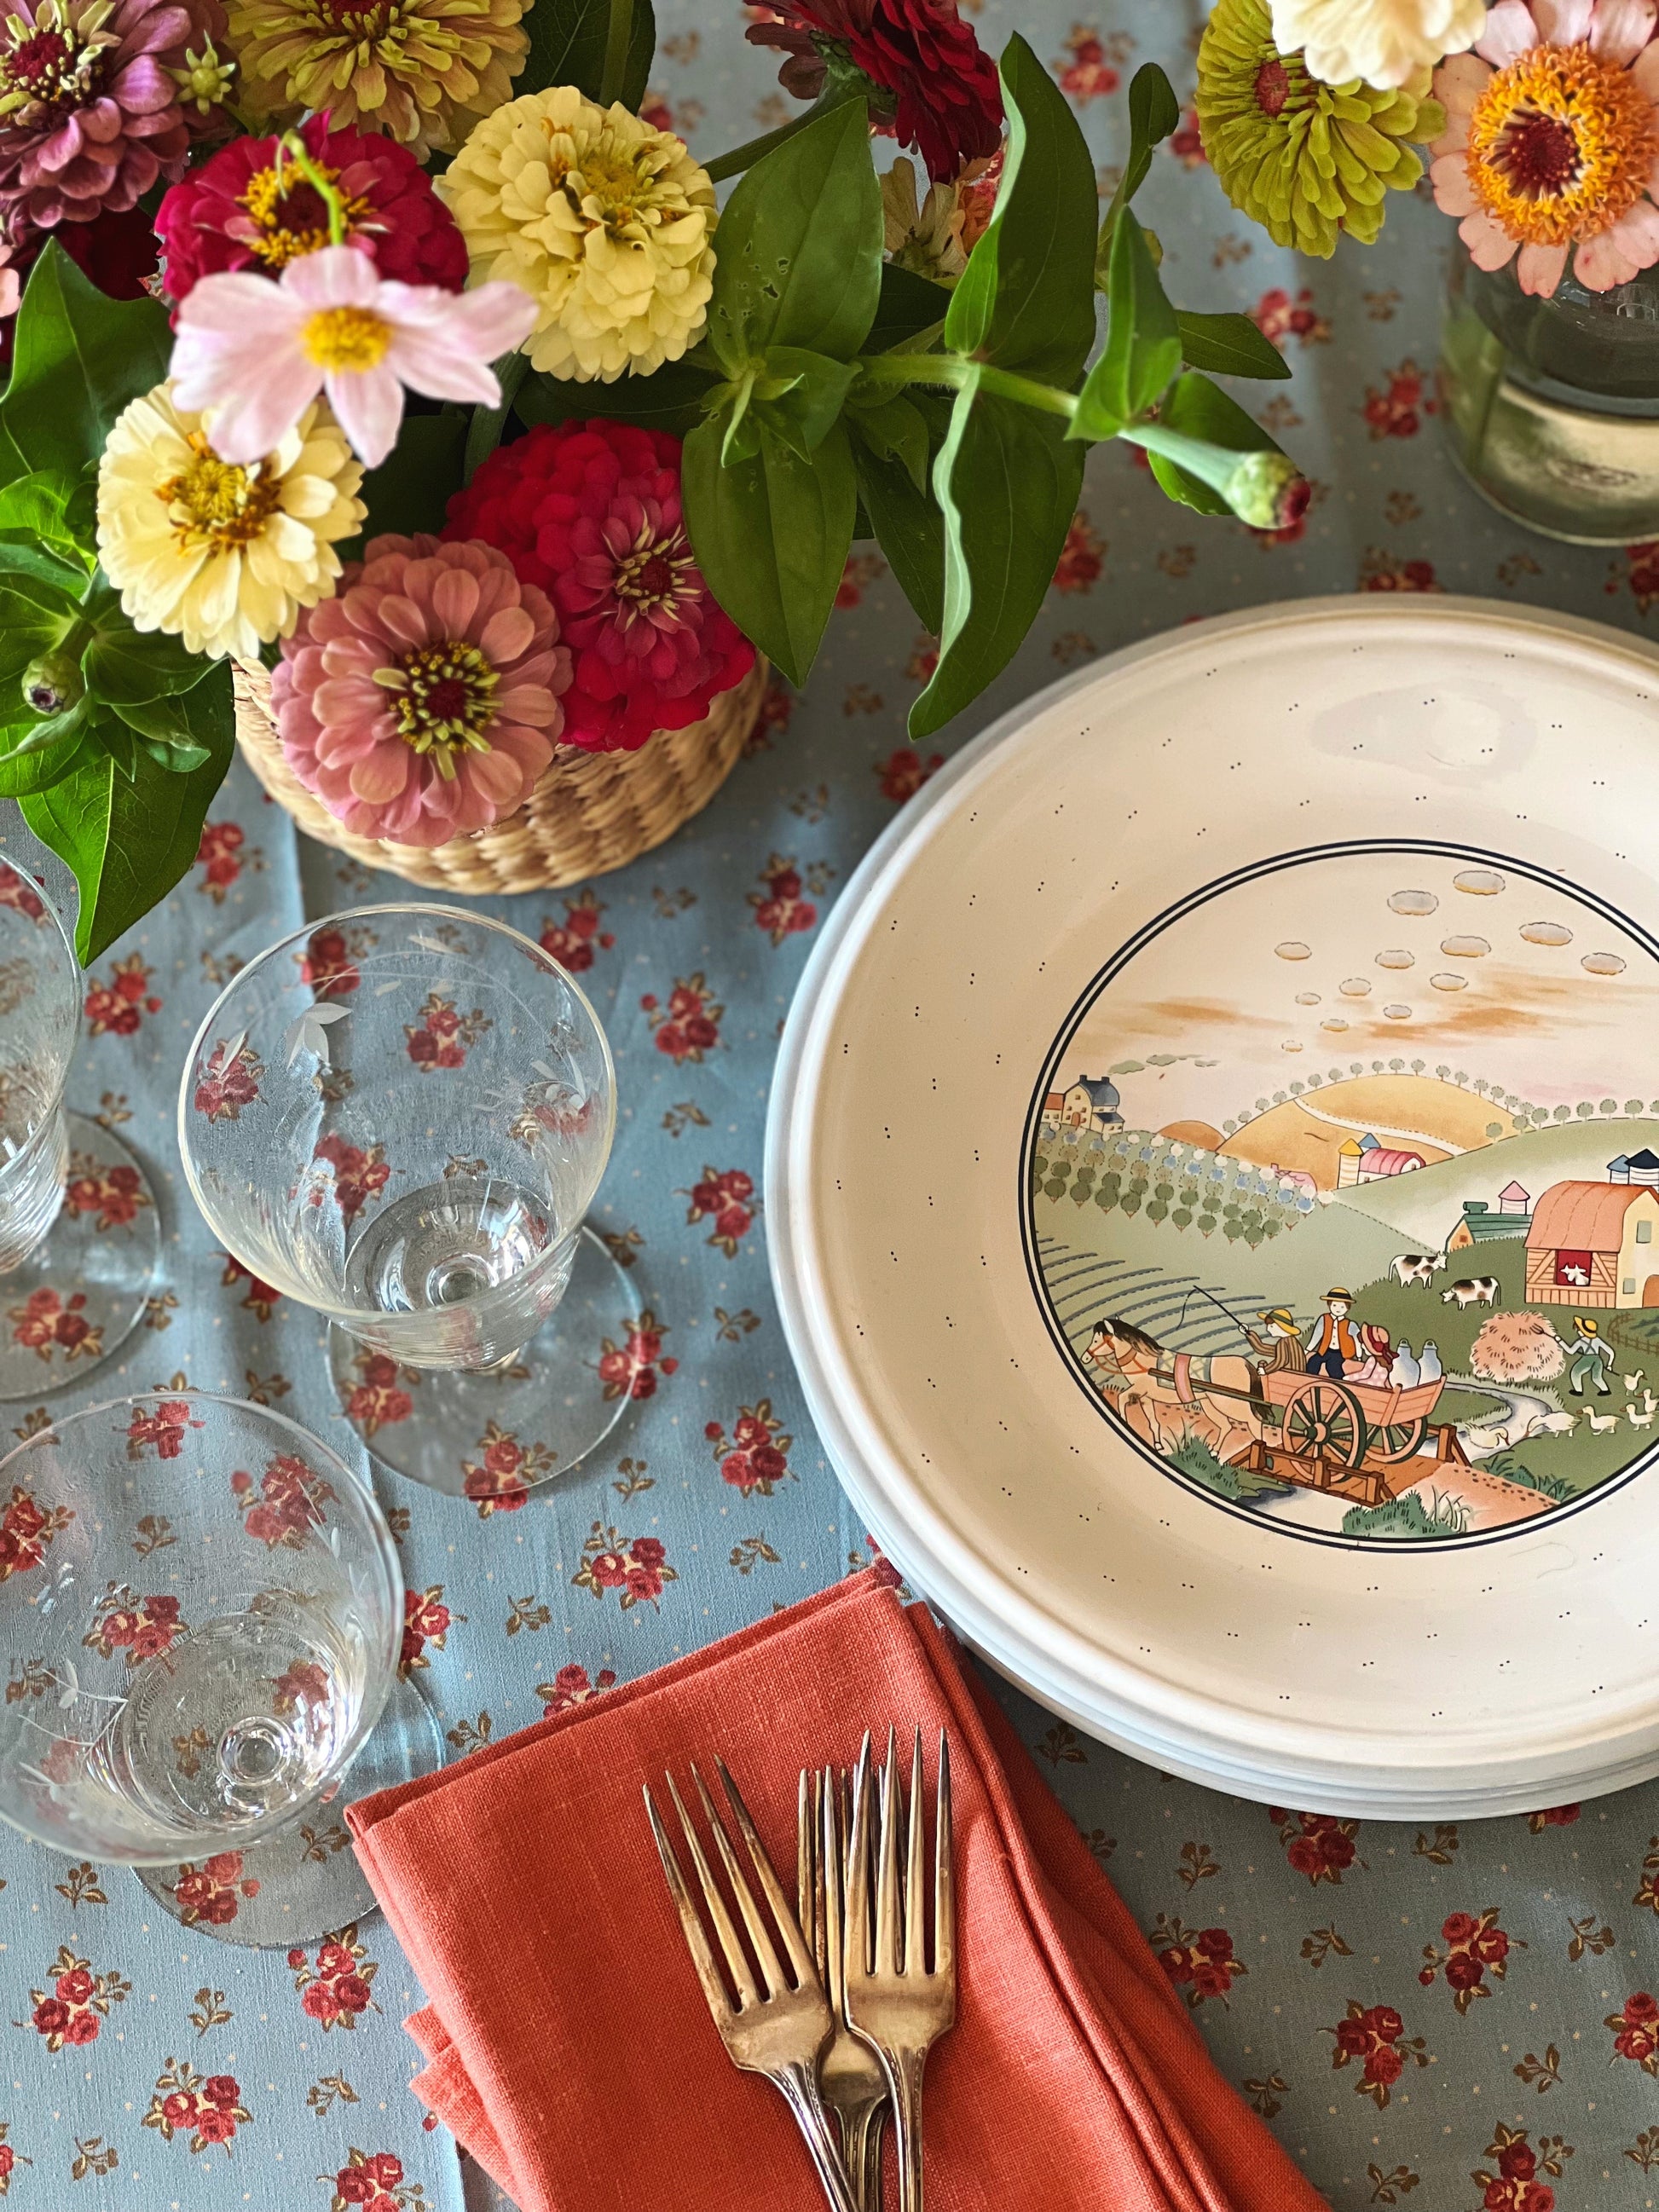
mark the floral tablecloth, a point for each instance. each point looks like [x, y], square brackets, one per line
[1447, 2016]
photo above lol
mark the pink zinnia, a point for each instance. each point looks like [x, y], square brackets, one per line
[260, 353]
[590, 511]
[93, 115]
[1551, 142]
[421, 702]
[238, 210]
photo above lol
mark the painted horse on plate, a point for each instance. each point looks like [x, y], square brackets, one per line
[1162, 1395]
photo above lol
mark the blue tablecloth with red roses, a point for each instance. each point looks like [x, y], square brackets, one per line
[1443, 2016]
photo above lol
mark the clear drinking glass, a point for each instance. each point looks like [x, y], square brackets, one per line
[201, 1614]
[398, 1116]
[72, 1281]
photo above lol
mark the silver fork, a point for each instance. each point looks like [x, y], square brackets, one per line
[849, 2074]
[898, 2004]
[779, 2031]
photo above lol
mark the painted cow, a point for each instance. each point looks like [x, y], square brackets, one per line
[1472, 1290]
[1415, 1268]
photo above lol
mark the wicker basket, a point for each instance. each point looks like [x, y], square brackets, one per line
[589, 812]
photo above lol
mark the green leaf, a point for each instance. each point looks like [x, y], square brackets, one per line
[1026, 300]
[1154, 111]
[815, 391]
[164, 731]
[23, 774]
[31, 623]
[411, 489]
[20, 558]
[671, 398]
[77, 360]
[566, 46]
[122, 664]
[909, 528]
[128, 843]
[771, 537]
[29, 740]
[908, 303]
[1142, 340]
[800, 245]
[1007, 481]
[485, 434]
[1228, 345]
[894, 429]
[1205, 439]
[40, 507]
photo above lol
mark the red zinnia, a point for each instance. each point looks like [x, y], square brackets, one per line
[589, 513]
[234, 212]
[935, 88]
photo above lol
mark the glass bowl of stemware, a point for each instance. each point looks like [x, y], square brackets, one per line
[201, 1616]
[399, 1116]
[78, 1232]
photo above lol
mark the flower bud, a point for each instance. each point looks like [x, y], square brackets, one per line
[52, 684]
[1267, 490]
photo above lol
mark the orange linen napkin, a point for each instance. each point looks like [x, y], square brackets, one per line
[569, 2046]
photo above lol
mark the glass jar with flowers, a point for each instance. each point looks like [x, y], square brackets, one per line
[388, 383]
[1550, 355]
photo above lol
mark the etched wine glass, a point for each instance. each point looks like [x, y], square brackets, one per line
[399, 1116]
[78, 1231]
[201, 1616]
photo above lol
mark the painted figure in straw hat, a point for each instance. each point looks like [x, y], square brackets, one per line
[1591, 1356]
[1278, 1343]
[1335, 1342]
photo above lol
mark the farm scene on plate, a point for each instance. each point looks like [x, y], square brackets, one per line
[1344, 1196]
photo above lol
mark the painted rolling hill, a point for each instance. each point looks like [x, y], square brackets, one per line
[1413, 1113]
[1425, 1205]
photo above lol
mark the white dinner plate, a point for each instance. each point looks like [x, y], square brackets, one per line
[1306, 951]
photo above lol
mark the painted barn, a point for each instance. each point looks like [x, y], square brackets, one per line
[1595, 1244]
[1481, 1225]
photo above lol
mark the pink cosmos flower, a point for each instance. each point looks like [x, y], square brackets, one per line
[1551, 142]
[259, 352]
[422, 702]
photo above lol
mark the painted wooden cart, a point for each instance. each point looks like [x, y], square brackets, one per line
[1351, 1438]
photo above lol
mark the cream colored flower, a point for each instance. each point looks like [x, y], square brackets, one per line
[406, 67]
[605, 222]
[1383, 42]
[221, 557]
[926, 239]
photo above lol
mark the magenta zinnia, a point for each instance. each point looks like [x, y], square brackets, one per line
[244, 209]
[931, 84]
[422, 702]
[90, 113]
[590, 511]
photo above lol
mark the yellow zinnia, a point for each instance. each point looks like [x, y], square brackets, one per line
[406, 67]
[605, 222]
[222, 556]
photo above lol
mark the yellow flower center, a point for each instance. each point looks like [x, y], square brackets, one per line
[352, 338]
[290, 215]
[445, 701]
[214, 505]
[610, 183]
[1560, 144]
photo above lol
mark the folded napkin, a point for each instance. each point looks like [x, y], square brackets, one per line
[568, 2045]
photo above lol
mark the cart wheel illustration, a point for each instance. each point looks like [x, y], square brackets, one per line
[1400, 1440]
[1324, 1421]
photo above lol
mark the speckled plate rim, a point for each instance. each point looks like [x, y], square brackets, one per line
[1150, 1717]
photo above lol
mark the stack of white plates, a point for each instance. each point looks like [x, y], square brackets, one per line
[1306, 951]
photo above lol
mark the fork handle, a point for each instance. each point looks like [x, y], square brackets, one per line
[903, 2071]
[799, 2086]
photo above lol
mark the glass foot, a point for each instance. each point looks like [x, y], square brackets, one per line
[304, 1882]
[491, 1434]
[81, 1291]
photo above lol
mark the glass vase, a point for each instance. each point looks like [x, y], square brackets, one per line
[1552, 405]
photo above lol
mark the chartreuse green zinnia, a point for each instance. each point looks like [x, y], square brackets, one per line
[1304, 160]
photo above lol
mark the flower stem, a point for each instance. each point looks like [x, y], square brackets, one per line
[746, 156]
[954, 371]
[618, 34]
[294, 146]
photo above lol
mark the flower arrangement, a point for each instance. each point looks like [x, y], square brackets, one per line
[1540, 119]
[400, 352]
